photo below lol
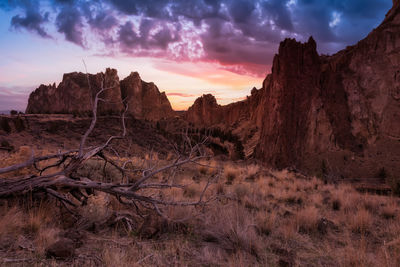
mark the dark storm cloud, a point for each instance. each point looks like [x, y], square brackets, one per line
[237, 31]
[357, 18]
[127, 36]
[241, 10]
[69, 22]
[31, 21]
[277, 10]
[102, 21]
[32, 18]
[130, 39]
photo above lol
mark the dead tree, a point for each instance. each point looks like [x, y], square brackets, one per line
[131, 191]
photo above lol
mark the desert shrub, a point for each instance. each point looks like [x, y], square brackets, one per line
[6, 145]
[5, 126]
[190, 191]
[293, 199]
[241, 190]
[266, 222]
[230, 173]
[251, 171]
[53, 127]
[19, 124]
[203, 170]
[336, 204]
[13, 112]
[218, 149]
[97, 208]
[220, 188]
[307, 219]
[239, 150]
[361, 222]
[232, 228]
[394, 183]
[230, 177]
[389, 211]
[382, 173]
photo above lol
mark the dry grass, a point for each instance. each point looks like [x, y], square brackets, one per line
[231, 172]
[307, 219]
[390, 210]
[362, 221]
[266, 220]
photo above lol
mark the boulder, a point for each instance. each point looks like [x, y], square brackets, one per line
[61, 249]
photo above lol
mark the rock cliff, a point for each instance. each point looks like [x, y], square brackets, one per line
[144, 99]
[338, 113]
[74, 95]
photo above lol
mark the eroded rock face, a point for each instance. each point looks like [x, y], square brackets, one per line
[144, 99]
[340, 112]
[74, 96]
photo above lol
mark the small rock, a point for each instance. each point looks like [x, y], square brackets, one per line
[61, 249]
[325, 224]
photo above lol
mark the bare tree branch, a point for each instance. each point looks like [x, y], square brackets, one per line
[33, 160]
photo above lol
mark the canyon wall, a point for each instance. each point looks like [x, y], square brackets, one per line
[338, 113]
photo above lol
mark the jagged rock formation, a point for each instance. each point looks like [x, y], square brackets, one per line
[206, 112]
[74, 96]
[242, 118]
[144, 99]
[339, 112]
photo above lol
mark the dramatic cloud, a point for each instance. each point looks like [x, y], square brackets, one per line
[31, 19]
[69, 23]
[241, 35]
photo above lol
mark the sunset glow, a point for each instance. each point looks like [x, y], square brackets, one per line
[187, 48]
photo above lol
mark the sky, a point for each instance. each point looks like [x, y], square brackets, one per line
[186, 47]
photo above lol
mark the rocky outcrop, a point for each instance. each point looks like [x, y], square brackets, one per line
[242, 118]
[288, 100]
[144, 99]
[207, 112]
[74, 96]
[337, 113]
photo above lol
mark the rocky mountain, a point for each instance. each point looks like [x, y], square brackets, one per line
[337, 114]
[144, 99]
[74, 96]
